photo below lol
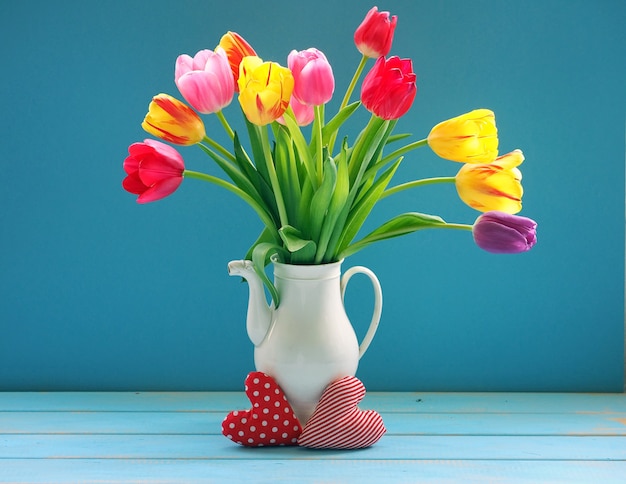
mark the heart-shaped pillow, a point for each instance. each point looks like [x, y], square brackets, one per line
[338, 423]
[269, 422]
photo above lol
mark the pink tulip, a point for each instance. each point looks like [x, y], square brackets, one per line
[374, 36]
[205, 80]
[389, 88]
[314, 83]
[303, 113]
[154, 169]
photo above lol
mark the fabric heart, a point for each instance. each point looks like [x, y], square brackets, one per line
[338, 423]
[269, 422]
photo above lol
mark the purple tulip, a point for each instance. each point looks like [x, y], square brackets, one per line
[503, 233]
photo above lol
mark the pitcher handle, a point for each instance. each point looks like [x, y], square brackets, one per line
[378, 303]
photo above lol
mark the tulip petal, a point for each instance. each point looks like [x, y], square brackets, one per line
[133, 184]
[184, 64]
[160, 190]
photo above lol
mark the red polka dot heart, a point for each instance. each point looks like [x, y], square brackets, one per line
[269, 422]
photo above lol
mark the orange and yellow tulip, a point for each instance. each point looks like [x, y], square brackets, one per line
[469, 138]
[264, 90]
[492, 186]
[173, 121]
[236, 49]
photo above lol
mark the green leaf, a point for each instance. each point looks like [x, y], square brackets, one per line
[403, 224]
[266, 235]
[334, 124]
[234, 173]
[261, 185]
[369, 142]
[302, 250]
[261, 255]
[336, 206]
[258, 152]
[397, 137]
[321, 198]
[360, 212]
[301, 145]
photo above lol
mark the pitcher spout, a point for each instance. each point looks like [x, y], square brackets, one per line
[259, 315]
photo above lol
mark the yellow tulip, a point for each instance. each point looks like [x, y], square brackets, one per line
[492, 186]
[469, 138]
[173, 121]
[264, 90]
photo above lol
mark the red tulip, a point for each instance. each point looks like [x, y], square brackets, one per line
[389, 88]
[374, 36]
[154, 169]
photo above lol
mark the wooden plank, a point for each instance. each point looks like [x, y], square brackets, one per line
[343, 471]
[122, 401]
[389, 447]
[403, 402]
[209, 423]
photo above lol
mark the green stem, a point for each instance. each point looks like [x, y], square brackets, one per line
[362, 244]
[271, 170]
[346, 97]
[355, 78]
[222, 118]
[265, 217]
[404, 150]
[456, 226]
[319, 121]
[417, 183]
[220, 148]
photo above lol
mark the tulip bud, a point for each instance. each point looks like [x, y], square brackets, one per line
[374, 36]
[503, 233]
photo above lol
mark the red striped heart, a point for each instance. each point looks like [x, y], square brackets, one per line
[269, 422]
[338, 423]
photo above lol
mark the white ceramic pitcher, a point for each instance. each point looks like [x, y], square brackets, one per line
[307, 342]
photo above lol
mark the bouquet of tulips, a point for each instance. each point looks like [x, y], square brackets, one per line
[314, 194]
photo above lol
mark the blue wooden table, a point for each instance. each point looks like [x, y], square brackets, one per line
[432, 437]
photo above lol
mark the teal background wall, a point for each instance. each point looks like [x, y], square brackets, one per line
[100, 293]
